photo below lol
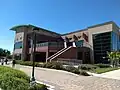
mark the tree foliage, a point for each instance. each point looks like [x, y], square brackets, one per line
[114, 57]
[4, 52]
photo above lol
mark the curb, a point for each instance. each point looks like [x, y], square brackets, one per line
[55, 70]
[50, 87]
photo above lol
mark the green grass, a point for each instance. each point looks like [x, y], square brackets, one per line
[103, 70]
[12, 79]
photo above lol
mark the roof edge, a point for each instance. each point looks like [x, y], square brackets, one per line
[105, 23]
[75, 32]
[29, 25]
[17, 26]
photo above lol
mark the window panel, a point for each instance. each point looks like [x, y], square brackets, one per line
[18, 45]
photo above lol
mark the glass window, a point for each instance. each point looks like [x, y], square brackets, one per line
[79, 43]
[18, 45]
[115, 41]
[101, 44]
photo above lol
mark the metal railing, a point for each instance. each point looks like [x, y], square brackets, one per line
[49, 44]
[55, 54]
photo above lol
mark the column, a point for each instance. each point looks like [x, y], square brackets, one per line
[47, 55]
[74, 44]
[31, 50]
[65, 44]
[24, 46]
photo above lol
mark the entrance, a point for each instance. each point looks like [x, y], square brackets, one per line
[40, 57]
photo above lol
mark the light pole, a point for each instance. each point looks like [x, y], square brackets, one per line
[33, 50]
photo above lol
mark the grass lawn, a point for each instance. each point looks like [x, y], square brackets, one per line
[103, 70]
[13, 79]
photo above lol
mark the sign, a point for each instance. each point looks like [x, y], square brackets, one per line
[85, 37]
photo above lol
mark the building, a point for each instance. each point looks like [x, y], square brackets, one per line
[89, 45]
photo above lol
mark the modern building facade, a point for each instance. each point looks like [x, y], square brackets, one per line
[89, 45]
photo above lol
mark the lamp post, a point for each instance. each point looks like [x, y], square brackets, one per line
[33, 50]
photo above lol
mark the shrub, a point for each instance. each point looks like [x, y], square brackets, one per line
[76, 70]
[53, 65]
[13, 83]
[12, 79]
[103, 65]
[38, 87]
[13, 72]
[27, 63]
[72, 69]
[59, 66]
[39, 65]
[82, 72]
[87, 67]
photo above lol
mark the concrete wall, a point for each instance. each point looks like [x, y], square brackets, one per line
[18, 37]
[77, 34]
[21, 35]
[17, 51]
[116, 29]
[96, 30]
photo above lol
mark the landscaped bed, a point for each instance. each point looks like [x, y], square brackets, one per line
[97, 68]
[12, 79]
[55, 65]
[82, 69]
[103, 70]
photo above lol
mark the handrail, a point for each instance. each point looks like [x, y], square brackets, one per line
[61, 52]
[55, 53]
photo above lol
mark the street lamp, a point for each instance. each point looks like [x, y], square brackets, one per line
[33, 50]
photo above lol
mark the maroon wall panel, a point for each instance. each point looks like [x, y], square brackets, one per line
[69, 54]
[40, 49]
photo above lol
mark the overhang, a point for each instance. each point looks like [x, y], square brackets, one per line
[45, 31]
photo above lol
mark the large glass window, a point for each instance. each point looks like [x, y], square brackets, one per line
[101, 44]
[115, 41]
[18, 45]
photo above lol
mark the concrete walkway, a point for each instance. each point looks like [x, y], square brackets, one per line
[112, 74]
[63, 80]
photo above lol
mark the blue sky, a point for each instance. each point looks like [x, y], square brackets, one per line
[56, 15]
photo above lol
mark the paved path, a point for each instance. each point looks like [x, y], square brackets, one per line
[112, 74]
[63, 80]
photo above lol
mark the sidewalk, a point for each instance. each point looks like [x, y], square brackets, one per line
[111, 74]
[19, 67]
[66, 81]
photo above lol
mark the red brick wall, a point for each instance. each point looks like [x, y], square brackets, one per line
[69, 54]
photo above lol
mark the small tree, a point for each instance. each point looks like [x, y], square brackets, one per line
[117, 57]
[110, 56]
[4, 52]
[114, 58]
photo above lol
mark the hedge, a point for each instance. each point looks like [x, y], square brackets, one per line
[55, 65]
[87, 67]
[12, 79]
